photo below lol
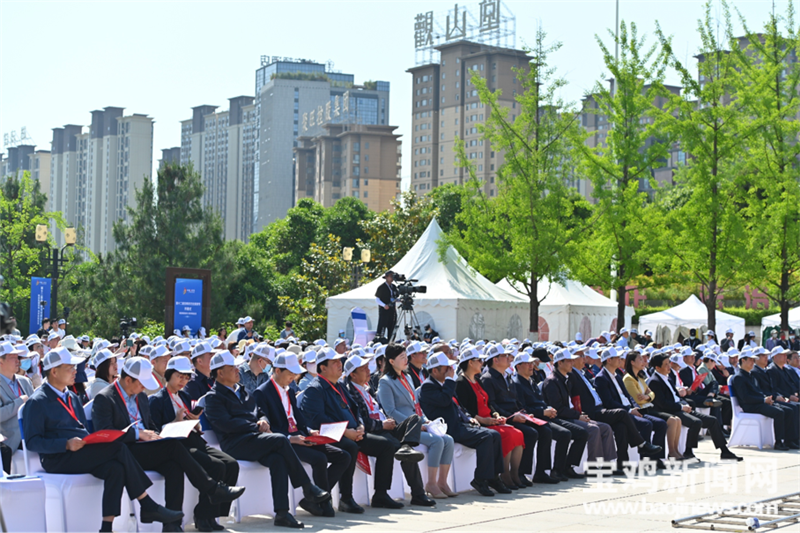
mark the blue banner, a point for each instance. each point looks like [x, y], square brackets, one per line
[188, 304]
[40, 294]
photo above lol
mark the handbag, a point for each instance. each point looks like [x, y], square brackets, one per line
[437, 427]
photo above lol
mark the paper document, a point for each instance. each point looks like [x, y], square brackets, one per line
[328, 433]
[178, 430]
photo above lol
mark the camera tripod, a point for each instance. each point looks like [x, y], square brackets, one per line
[407, 320]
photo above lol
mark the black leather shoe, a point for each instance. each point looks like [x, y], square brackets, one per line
[650, 450]
[311, 507]
[525, 482]
[780, 446]
[660, 465]
[727, 455]
[349, 505]
[498, 486]
[327, 509]
[216, 526]
[383, 501]
[315, 494]
[172, 527]
[203, 524]
[285, 519]
[712, 402]
[558, 475]
[482, 487]
[423, 501]
[544, 478]
[224, 494]
[160, 514]
[407, 453]
[793, 445]
[572, 474]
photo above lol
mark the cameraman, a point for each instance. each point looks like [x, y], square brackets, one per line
[386, 296]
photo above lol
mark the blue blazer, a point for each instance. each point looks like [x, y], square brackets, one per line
[161, 409]
[781, 380]
[395, 400]
[664, 400]
[321, 404]
[269, 403]
[47, 426]
[502, 397]
[529, 395]
[233, 418]
[744, 387]
[608, 393]
[199, 386]
[436, 401]
[764, 381]
[110, 412]
[557, 394]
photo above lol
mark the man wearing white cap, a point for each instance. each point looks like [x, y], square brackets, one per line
[14, 392]
[201, 382]
[62, 328]
[253, 373]
[124, 404]
[36, 351]
[245, 331]
[54, 425]
[278, 401]
[159, 356]
[622, 340]
[245, 434]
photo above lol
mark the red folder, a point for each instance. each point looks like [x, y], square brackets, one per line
[328, 433]
[697, 381]
[363, 463]
[103, 436]
[576, 403]
[530, 418]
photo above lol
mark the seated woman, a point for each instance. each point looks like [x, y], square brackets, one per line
[105, 364]
[399, 400]
[474, 399]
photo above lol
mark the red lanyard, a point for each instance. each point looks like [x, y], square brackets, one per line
[344, 402]
[367, 398]
[19, 389]
[116, 384]
[69, 408]
[288, 401]
[177, 400]
[405, 384]
[411, 367]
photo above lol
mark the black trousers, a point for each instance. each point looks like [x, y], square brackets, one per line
[113, 463]
[387, 318]
[695, 422]
[568, 454]
[531, 435]
[488, 446]
[407, 432]
[169, 458]
[377, 446]
[219, 466]
[6, 452]
[784, 419]
[653, 430]
[276, 453]
[624, 428]
[328, 463]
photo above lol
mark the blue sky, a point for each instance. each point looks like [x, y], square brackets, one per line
[59, 60]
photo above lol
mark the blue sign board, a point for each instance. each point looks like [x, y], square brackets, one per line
[188, 304]
[40, 293]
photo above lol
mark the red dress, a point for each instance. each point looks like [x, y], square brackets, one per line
[511, 436]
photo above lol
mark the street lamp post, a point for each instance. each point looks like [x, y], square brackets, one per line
[347, 255]
[57, 260]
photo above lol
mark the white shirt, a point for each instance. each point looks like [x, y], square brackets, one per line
[622, 397]
[372, 405]
[285, 401]
[669, 386]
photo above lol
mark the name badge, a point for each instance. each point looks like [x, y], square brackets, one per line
[343, 405]
[292, 426]
[375, 416]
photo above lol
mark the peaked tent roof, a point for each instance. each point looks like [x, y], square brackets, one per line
[452, 279]
[570, 293]
[692, 313]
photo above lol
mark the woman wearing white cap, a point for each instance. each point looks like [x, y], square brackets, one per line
[105, 365]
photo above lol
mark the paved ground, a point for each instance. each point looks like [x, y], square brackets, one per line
[761, 475]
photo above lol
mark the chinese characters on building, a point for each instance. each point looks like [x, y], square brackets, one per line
[328, 112]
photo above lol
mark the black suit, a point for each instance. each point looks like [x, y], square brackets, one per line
[219, 465]
[233, 417]
[386, 317]
[751, 399]
[168, 457]
[438, 400]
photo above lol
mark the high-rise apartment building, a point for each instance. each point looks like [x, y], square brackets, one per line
[446, 107]
[25, 157]
[170, 155]
[362, 161]
[297, 98]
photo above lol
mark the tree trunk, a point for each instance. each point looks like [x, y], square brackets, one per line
[784, 293]
[711, 307]
[533, 317]
[621, 291]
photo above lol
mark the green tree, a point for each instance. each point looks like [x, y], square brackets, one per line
[343, 219]
[525, 232]
[768, 91]
[21, 209]
[704, 239]
[446, 201]
[289, 239]
[619, 163]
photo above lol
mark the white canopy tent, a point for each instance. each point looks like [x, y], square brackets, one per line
[775, 320]
[570, 308]
[460, 302]
[690, 314]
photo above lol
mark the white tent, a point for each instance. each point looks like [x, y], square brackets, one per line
[570, 308]
[775, 320]
[459, 303]
[691, 314]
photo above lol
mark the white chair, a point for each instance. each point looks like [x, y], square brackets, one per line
[397, 490]
[257, 499]
[750, 429]
[19, 497]
[87, 411]
[464, 462]
[361, 334]
[682, 440]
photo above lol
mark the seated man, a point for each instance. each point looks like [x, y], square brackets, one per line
[404, 436]
[278, 401]
[233, 414]
[326, 401]
[202, 382]
[14, 392]
[567, 456]
[124, 404]
[54, 425]
[437, 399]
[252, 373]
[503, 400]
[668, 401]
[753, 400]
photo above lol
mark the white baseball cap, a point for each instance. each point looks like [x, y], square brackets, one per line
[778, 350]
[328, 354]
[182, 347]
[469, 352]
[180, 364]
[493, 351]
[710, 333]
[354, 362]
[264, 350]
[289, 361]
[59, 356]
[7, 348]
[413, 348]
[563, 355]
[222, 359]
[159, 351]
[309, 356]
[437, 360]
[215, 342]
[201, 348]
[53, 336]
[102, 356]
[523, 357]
[609, 353]
[339, 341]
[33, 340]
[141, 369]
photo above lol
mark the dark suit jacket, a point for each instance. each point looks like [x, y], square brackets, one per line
[199, 386]
[370, 425]
[436, 401]
[781, 380]
[746, 390]
[608, 393]
[502, 396]
[664, 400]
[321, 404]
[687, 378]
[764, 381]
[529, 396]
[577, 387]
[110, 412]
[161, 409]
[269, 402]
[467, 397]
[233, 418]
[386, 294]
[47, 426]
[557, 395]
